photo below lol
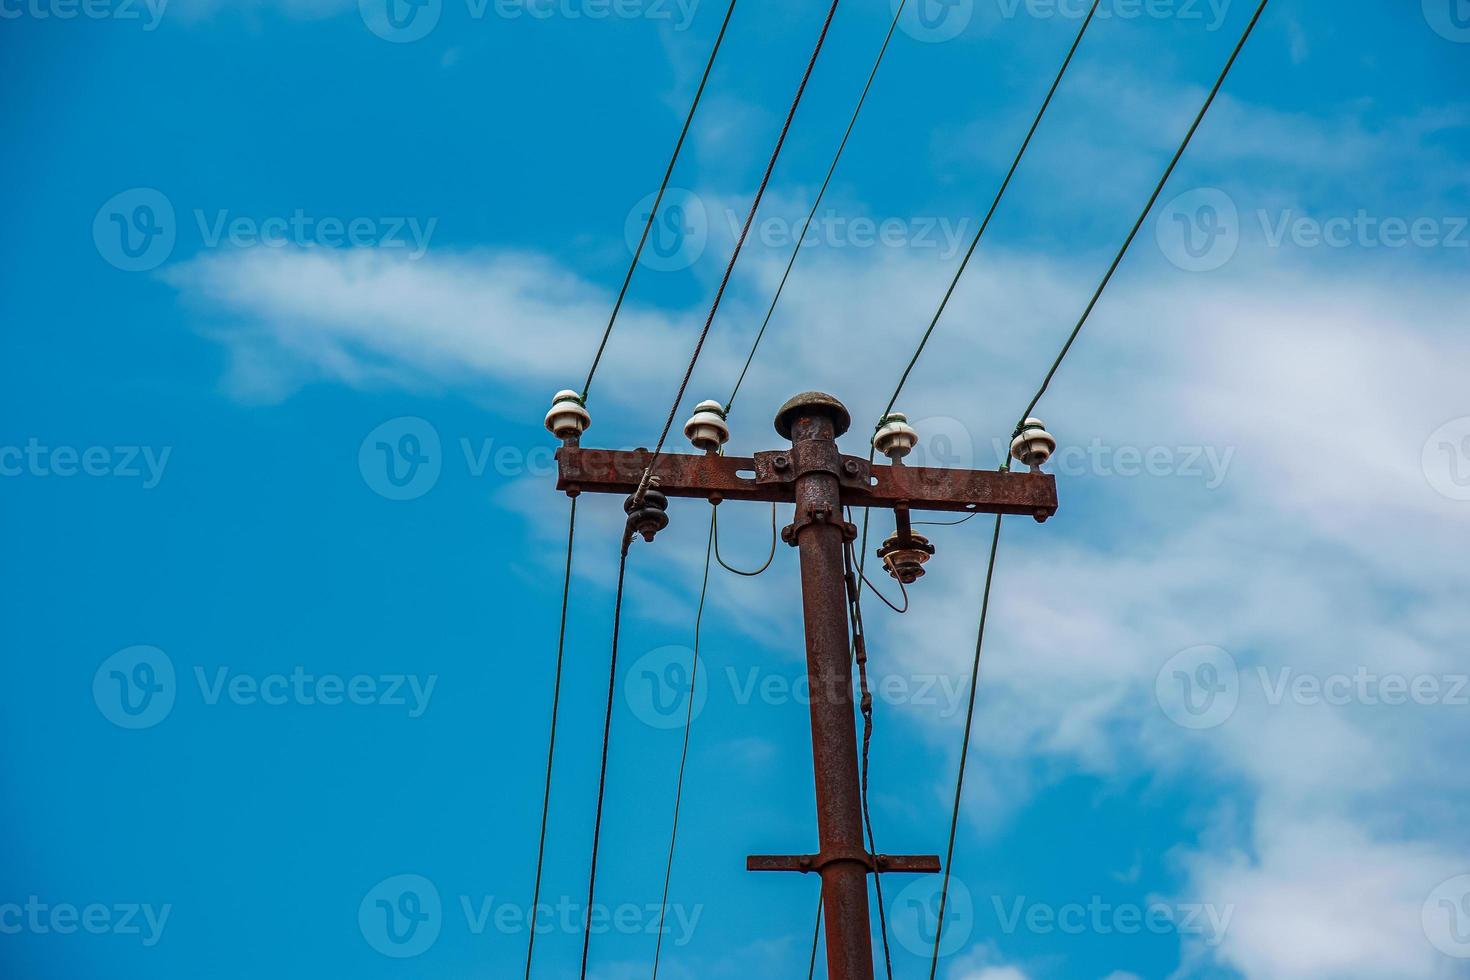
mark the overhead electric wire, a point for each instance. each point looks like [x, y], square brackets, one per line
[865, 706]
[612, 689]
[995, 540]
[994, 205]
[561, 645]
[811, 971]
[714, 519]
[964, 749]
[735, 256]
[658, 198]
[816, 204]
[684, 752]
[572, 518]
[1153, 199]
[975, 242]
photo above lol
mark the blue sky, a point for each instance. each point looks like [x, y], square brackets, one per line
[257, 678]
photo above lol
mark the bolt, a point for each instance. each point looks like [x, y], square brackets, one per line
[851, 466]
[781, 463]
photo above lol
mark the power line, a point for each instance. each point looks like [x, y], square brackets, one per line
[658, 199]
[796, 251]
[995, 540]
[735, 256]
[1153, 199]
[865, 706]
[965, 749]
[561, 645]
[572, 517]
[994, 205]
[714, 519]
[975, 243]
[612, 687]
[684, 753]
[811, 971]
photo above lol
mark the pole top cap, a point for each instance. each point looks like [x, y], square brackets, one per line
[813, 403]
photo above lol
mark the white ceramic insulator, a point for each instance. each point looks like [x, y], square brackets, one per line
[895, 438]
[707, 428]
[568, 418]
[1034, 445]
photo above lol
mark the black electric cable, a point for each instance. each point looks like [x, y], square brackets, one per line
[684, 752]
[658, 199]
[865, 706]
[975, 243]
[995, 540]
[954, 820]
[1153, 199]
[561, 645]
[730, 568]
[816, 204]
[735, 256]
[612, 688]
[811, 971]
[994, 205]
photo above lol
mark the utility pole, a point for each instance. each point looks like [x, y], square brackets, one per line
[822, 483]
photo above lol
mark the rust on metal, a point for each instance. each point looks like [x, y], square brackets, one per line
[806, 863]
[763, 479]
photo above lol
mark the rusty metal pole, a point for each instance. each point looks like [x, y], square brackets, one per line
[813, 422]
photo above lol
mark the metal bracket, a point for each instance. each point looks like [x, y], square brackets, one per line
[791, 533]
[807, 863]
[785, 466]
